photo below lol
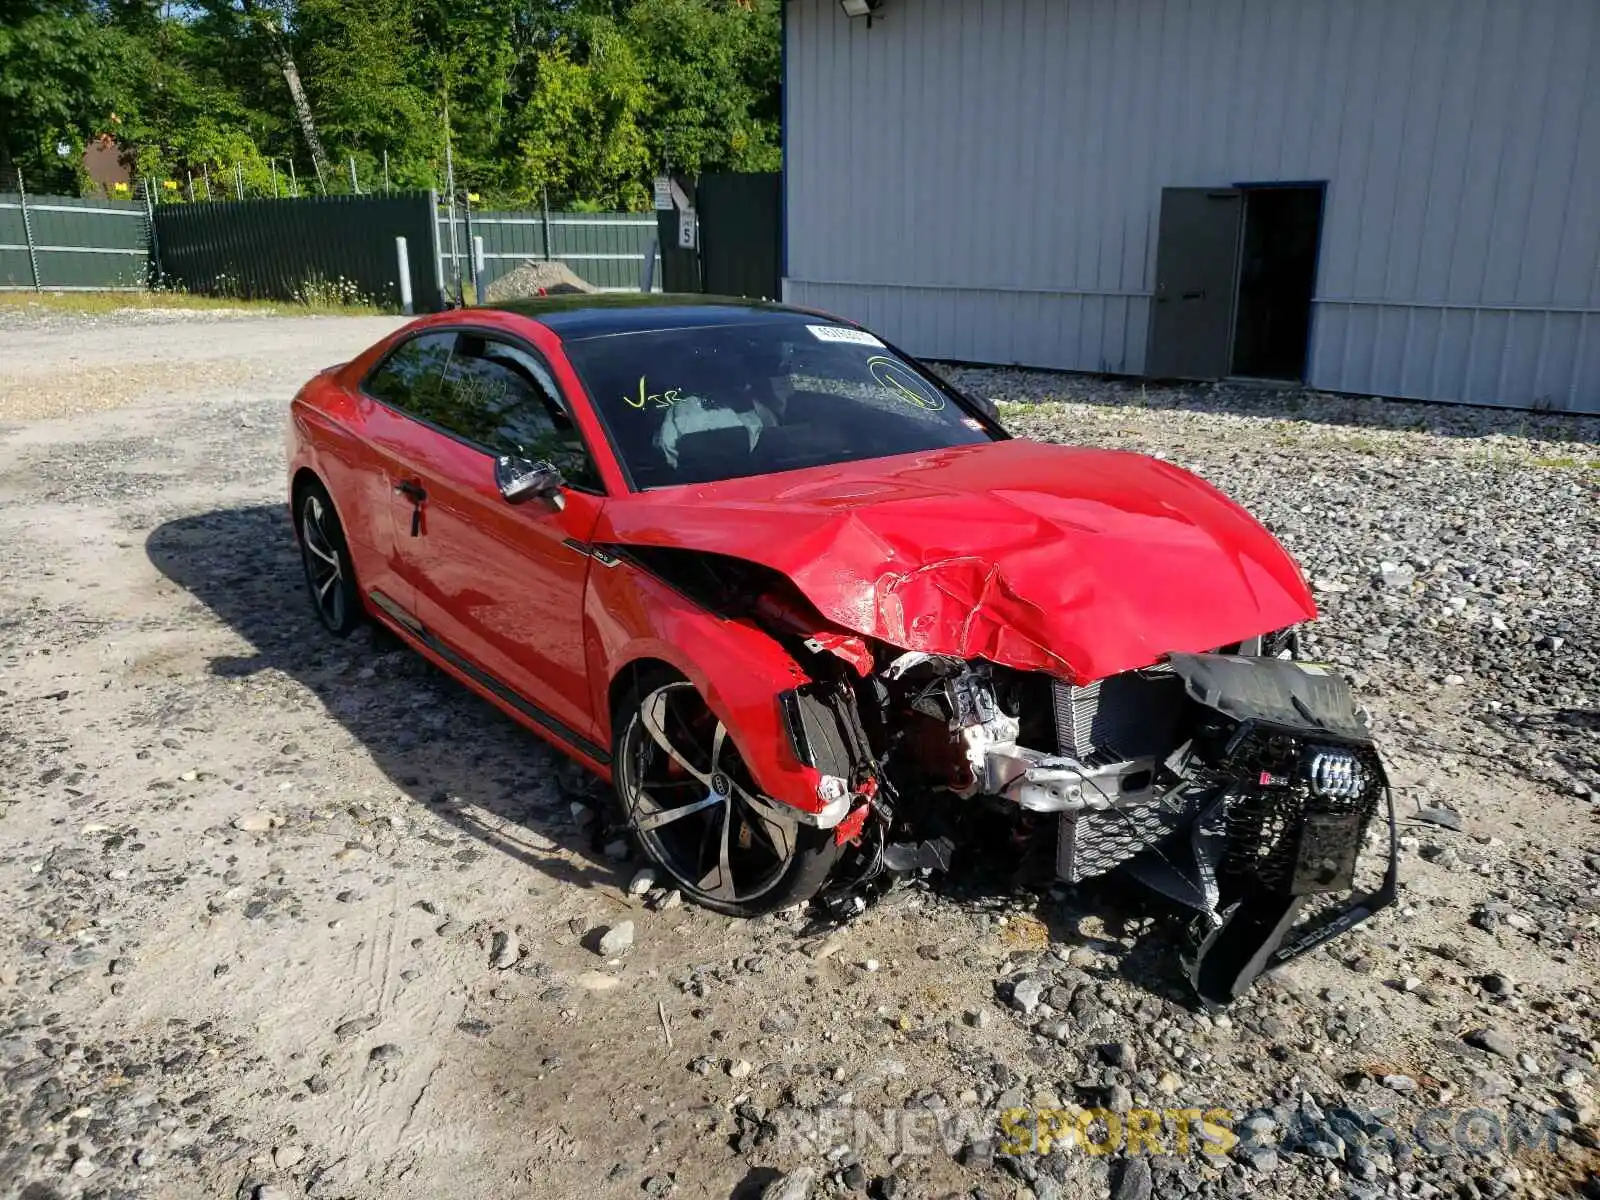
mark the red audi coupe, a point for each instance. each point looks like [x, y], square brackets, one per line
[820, 621]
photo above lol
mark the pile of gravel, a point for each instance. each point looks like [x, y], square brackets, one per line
[536, 279]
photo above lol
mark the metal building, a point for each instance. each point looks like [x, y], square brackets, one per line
[1390, 197]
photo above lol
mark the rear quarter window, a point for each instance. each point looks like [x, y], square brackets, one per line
[411, 377]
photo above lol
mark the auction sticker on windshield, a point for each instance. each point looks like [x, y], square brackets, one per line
[838, 333]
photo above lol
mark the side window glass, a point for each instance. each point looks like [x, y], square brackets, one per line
[477, 392]
[411, 377]
[499, 396]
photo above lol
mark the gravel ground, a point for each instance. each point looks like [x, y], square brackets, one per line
[285, 916]
[56, 364]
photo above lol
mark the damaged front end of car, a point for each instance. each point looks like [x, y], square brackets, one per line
[1241, 784]
[950, 701]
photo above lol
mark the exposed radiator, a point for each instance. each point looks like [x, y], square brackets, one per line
[1132, 715]
[1137, 714]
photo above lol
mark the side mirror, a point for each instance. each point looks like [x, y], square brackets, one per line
[984, 405]
[520, 480]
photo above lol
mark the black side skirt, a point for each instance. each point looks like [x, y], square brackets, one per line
[556, 728]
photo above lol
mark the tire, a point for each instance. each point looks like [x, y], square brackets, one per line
[771, 863]
[325, 557]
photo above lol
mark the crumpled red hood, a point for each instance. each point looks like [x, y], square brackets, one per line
[1079, 562]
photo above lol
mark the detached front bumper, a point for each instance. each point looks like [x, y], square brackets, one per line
[1258, 819]
[1265, 924]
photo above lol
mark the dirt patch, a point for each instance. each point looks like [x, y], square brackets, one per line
[63, 366]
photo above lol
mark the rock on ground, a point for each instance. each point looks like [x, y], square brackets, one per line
[616, 940]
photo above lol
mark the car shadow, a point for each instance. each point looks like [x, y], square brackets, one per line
[1571, 733]
[439, 744]
[1132, 933]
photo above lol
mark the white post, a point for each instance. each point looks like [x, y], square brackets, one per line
[403, 263]
[647, 270]
[477, 256]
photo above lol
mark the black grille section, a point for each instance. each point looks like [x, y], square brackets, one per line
[1093, 843]
[1282, 836]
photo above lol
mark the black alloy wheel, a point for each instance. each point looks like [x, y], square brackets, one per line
[326, 556]
[691, 802]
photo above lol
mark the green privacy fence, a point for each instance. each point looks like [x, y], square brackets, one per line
[605, 249]
[337, 247]
[327, 249]
[61, 242]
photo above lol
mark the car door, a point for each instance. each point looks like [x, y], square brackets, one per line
[499, 587]
[410, 372]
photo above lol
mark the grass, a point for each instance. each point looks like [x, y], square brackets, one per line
[100, 303]
[1566, 464]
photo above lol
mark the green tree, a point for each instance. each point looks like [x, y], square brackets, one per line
[364, 63]
[51, 86]
[713, 72]
[193, 95]
[471, 59]
[585, 98]
[584, 136]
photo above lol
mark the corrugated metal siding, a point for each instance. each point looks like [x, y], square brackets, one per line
[981, 179]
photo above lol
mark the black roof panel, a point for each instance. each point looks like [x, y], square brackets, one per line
[602, 314]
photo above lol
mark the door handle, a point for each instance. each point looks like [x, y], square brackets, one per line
[414, 492]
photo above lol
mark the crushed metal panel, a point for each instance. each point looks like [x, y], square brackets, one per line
[1038, 557]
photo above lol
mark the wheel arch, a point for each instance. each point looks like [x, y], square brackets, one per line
[302, 479]
[305, 482]
[742, 688]
[792, 866]
[628, 680]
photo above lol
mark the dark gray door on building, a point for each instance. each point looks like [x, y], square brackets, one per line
[741, 234]
[1197, 279]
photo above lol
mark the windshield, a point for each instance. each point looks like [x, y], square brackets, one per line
[703, 404]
